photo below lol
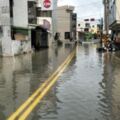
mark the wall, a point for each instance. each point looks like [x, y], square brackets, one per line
[20, 13]
[20, 19]
[112, 13]
[5, 22]
[20, 47]
[0, 44]
[118, 10]
[54, 18]
[92, 23]
[1, 34]
[50, 32]
[81, 27]
[63, 21]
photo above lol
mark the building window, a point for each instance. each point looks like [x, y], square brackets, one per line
[86, 30]
[11, 8]
[87, 25]
[86, 19]
[74, 16]
[1, 31]
[32, 12]
[79, 25]
[67, 35]
[43, 13]
[92, 19]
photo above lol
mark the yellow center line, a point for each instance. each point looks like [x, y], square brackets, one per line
[36, 93]
[44, 92]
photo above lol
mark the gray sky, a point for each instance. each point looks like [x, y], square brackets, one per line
[85, 8]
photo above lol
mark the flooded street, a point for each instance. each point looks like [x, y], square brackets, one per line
[89, 89]
[20, 76]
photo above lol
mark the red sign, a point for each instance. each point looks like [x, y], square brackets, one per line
[47, 3]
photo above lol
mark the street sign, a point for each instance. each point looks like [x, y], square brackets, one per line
[47, 5]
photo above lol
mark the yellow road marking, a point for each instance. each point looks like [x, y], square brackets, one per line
[45, 91]
[36, 93]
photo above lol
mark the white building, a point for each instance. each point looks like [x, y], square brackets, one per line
[66, 22]
[18, 20]
[114, 14]
[114, 17]
[48, 15]
[87, 25]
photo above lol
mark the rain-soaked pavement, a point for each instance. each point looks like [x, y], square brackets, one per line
[89, 89]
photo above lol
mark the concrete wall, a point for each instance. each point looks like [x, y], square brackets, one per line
[81, 27]
[20, 13]
[40, 22]
[5, 22]
[117, 10]
[20, 19]
[0, 46]
[63, 21]
[112, 14]
[20, 47]
[11, 47]
[54, 18]
[93, 25]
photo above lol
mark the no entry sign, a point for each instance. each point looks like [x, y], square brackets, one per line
[47, 4]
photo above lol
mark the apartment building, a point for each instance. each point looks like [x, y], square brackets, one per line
[66, 22]
[88, 25]
[26, 22]
[114, 17]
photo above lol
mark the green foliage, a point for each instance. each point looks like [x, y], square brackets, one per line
[88, 36]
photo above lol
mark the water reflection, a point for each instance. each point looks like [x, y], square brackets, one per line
[49, 108]
[14, 87]
[88, 90]
[109, 105]
[20, 76]
[49, 105]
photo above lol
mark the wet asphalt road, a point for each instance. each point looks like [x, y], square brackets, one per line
[89, 89]
[20, 76]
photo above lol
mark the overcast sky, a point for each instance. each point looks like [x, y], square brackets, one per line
[85, 8]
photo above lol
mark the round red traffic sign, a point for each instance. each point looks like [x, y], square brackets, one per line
[47, 3]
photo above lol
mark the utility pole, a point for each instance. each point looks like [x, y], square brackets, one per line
[106, 16]
[106, 23]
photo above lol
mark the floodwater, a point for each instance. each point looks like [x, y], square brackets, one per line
[89, 89]
[20, 76]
